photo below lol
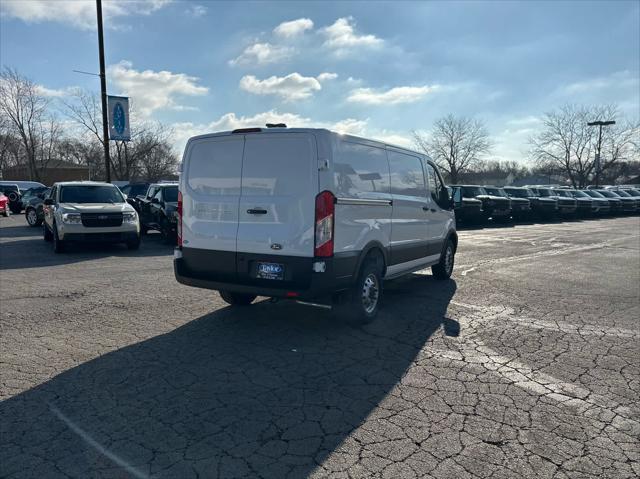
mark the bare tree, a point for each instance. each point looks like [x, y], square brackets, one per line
[147, 156]
[25, 109]
[567, 143]
[456, 144]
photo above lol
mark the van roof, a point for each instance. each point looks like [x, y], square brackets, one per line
[278, 130]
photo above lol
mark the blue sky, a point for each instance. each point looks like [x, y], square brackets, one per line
[375, 69]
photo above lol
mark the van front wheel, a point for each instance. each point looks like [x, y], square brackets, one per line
[237, 299]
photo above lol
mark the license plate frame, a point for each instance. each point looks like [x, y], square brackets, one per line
[271, 271]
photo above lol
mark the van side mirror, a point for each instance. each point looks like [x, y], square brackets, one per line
[48, 201]
[155, 201]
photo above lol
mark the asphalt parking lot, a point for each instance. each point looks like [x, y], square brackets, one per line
[526, 364]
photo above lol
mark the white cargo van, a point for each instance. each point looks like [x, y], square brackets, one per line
[310, 215]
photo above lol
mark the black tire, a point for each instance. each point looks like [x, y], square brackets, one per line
[168, 236]
[16, 209]
[363, 302]
[31, 216]
[444, 268]
[46, 234]
[237, 299]
[143, 230]
[58, 244]
[134, 244]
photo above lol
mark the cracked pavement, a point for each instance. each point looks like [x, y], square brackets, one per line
[526, 364]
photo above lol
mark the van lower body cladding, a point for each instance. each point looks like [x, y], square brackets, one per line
[238, 272]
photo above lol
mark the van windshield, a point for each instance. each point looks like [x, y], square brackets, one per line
[90, 194]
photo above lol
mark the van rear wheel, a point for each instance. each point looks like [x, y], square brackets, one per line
[364, 300]
[237, 299]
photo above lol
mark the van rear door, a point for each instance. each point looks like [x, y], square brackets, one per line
[277, 200]
[211, 192]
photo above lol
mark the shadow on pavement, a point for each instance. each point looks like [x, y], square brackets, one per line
[34, 252]
[268, 390]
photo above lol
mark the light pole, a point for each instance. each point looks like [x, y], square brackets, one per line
[103, 94]
[599, 124]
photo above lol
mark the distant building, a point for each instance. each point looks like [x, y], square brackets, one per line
[54, 171]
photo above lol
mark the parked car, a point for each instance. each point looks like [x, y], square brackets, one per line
[635, 194]
[497, 208]
[85, 211]
[520, 206]
[599, 206]
[4, 205]
[34, 207]
[12, 192]
[541, 207]
[615, 205]
[468, 210]
[15, 190]
[310, 215]
[566, 206]
[612, 204]
[133, 190]
[622, 193]
[157, 210]
[628, 203]
[582, 205]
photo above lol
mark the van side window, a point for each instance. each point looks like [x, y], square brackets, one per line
[361, 168]
[435, 183]
[407, 177]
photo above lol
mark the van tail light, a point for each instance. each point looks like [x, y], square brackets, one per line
[325, 212]
[179, 225]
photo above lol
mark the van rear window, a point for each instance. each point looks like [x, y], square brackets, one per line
[278, 165]
[214, 166]
[361, 168]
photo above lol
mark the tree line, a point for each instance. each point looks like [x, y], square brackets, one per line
[564, 146]
[38, 131]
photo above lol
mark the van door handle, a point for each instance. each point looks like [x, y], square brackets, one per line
[426, 208]
[257, 211]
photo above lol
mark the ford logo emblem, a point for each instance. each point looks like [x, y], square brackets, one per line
[276, 246]
[102, 217]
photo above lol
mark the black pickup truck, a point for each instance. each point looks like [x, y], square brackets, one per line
[157, 210]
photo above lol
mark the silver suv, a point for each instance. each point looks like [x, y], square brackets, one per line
[83, 211]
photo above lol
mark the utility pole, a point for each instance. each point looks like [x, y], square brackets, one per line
[599, 124]
[103, 92]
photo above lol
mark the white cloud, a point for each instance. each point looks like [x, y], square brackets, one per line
[293, 28]
[230, 121]
[290, 88]
[394, 96]
[153, 90]
[78, 13]
[54, 93]
[262, 53]
[196, 11]
[327, 76]
[616, 80]
[342, 37]
[394, 139]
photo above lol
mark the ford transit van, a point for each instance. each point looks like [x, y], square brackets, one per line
[310, 215]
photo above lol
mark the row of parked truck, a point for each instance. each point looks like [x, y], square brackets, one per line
[490, 203]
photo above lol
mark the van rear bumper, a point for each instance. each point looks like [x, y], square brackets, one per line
[236, 272]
